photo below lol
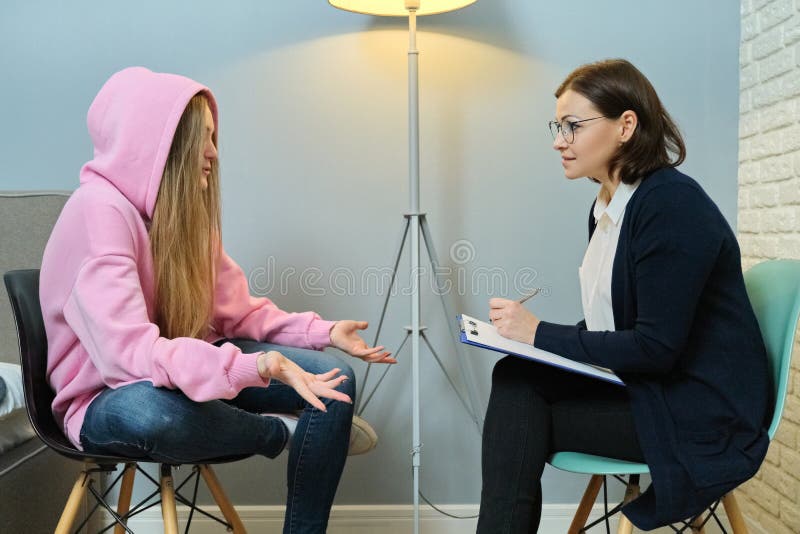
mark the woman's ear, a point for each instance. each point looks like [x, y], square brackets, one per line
[628, 122]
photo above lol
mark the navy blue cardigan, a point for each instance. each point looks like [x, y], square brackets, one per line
[687, 345]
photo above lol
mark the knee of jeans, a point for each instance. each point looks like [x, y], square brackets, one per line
[348, 387]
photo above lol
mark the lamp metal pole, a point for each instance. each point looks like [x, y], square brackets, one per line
[413, 186]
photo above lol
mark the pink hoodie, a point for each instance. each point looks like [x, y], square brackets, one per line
[97, 286]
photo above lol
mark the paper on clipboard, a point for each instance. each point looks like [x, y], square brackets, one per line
[482, 334]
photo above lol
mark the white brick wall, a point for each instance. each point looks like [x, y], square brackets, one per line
[769, 219]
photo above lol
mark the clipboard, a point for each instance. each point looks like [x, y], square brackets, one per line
[484, 335]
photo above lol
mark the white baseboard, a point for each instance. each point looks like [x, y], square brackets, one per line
[369, 519]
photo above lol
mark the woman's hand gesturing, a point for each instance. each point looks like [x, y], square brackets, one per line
[311, 387]
[344, 336]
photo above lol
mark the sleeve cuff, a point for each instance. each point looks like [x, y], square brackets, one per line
[319, 334]
[551, 336]
[244, 373]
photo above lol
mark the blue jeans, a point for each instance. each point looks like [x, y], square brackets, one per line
[163, 425]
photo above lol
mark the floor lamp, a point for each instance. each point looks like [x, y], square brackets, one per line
[416, 225]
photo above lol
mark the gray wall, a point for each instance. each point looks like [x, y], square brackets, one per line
[313, 151]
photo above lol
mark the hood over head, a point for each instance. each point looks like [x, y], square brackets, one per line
[132, 121]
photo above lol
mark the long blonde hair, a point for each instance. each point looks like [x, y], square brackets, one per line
[185, 232]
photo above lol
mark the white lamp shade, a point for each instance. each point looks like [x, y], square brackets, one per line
[397, 8]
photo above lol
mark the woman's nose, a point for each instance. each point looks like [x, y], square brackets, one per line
[211, 151]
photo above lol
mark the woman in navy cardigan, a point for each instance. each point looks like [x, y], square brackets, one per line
[665, 307]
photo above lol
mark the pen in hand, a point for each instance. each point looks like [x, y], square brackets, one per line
[527, 297]
[530, 295]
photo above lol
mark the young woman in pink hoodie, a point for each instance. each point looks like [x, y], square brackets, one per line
[156, 349]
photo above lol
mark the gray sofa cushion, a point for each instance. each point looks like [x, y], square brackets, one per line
[26, 220]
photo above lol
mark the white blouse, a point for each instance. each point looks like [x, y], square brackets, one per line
[598, 263]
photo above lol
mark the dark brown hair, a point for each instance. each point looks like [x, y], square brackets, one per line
[614, 86]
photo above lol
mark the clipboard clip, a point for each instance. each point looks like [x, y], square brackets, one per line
[473, 326]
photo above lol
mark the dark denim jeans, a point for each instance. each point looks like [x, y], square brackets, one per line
[142, 421]
[535, 410]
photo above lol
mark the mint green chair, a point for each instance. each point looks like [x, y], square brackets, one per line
[774, 290]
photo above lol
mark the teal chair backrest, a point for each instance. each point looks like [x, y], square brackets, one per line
[774, 290]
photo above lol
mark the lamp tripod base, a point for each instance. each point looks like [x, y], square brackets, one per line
[418, 333]
[471, 404]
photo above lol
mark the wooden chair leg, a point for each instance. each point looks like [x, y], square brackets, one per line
[585, 507]
[695, 524]
[125, 492]
[625, 525]
[221, 499]
[168, 510]
[734, 514]
[631, 492]
[73, 505]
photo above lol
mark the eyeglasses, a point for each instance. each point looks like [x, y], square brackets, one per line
[567, 128]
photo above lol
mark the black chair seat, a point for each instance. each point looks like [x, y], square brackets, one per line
[23, 291]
